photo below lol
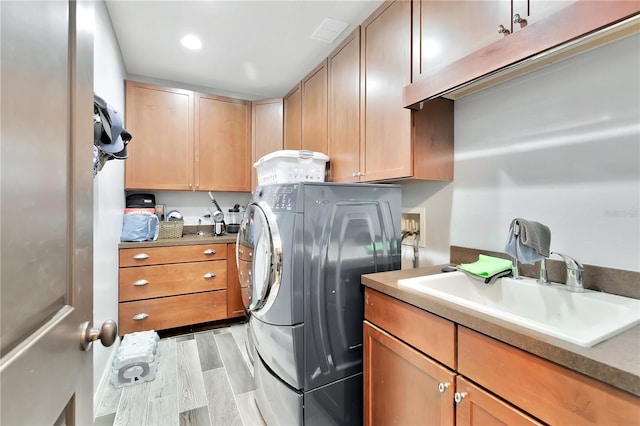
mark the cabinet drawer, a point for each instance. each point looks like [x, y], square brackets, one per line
[170, 312]
[553, 394]
[168, 280]
[429, 333]
[173, 254]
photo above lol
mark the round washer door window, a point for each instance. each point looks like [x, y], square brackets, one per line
[255, 258]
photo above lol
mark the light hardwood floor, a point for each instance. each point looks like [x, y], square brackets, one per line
[203, 378]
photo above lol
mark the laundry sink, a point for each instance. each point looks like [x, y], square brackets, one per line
[584, 318]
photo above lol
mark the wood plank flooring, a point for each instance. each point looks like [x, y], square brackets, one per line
[203, 379]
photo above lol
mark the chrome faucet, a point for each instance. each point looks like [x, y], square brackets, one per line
[574, 273]
[543, 278]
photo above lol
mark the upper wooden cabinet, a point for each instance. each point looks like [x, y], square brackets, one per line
[267, 130]
[186, 141]
[526, 12]
[314, 109]
[445, 31]
[222, 144]
[344, 110]
[398, 143]
[161, 151]
[293, 119]
[472, 58]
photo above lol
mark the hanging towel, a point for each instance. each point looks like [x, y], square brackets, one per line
[528, 241]
[486, 266]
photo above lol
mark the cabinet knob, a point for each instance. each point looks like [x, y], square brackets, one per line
[503, 30]
[459, 396]
[140, 282]
[209, 275]
[209, 251]
[140, 316]
[517, 19]
[442, 387]
[140, 256]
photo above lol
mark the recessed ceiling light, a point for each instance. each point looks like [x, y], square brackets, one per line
[329, 30]
[191, 42]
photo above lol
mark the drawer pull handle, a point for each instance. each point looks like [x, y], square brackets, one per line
[209, 251]
[442, 387]
[459, 396]
[240, 251]
[209, 275]
[140, 256]
[140, 282]
[140, 317]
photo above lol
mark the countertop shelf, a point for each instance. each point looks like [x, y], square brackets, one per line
[187, 239]
[615, 361]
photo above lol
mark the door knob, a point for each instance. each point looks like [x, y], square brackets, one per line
[107, 334]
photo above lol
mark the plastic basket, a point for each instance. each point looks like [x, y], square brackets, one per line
[172, 229]
[288, 166]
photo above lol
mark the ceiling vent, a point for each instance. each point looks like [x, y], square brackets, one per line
[329, 30]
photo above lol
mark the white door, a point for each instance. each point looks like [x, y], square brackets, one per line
[46, 211]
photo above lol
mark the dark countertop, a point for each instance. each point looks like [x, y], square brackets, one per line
[615, 361]
[187, 239]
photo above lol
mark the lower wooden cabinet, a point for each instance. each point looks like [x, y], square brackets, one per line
[169, 312]
[235, 307]
[406, 382]
[551, 393]
[403, 386]
[475, 406]
[168, 287]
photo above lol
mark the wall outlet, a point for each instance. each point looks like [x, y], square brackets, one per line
[414, 219]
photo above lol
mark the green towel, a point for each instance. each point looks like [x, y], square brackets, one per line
[486, 266]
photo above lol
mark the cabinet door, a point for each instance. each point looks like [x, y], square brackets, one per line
[266, 131]
[477, 407]
[344, 110]
[223, 144]
[386, 68]
[314, 110]
[401, 385]
[293, 119]
[445, 31]
[531, 11]
[161, 151]
[235, 307]
[550, 392]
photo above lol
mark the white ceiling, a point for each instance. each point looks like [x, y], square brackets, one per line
[252, 49]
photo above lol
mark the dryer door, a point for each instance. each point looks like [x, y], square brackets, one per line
[258, 254]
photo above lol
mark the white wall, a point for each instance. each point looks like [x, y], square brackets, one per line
[560, 146]
[108, 186]
[193, 205]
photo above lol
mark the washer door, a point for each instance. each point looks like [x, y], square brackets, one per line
[258, 254]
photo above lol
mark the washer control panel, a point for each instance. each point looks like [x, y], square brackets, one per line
[279, 197]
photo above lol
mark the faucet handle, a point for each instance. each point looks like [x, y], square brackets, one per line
[574, 273]
[570, 261]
